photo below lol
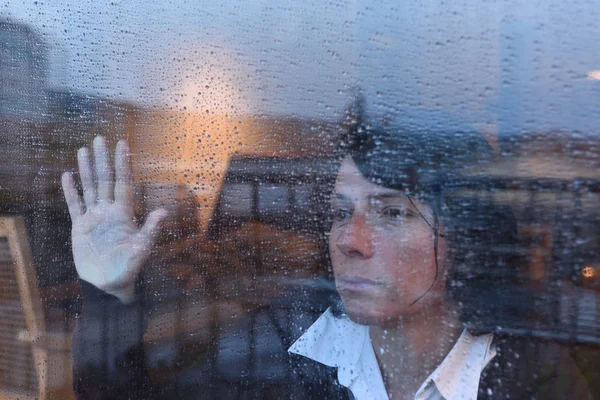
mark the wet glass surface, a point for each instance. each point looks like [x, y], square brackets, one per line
[413, 172]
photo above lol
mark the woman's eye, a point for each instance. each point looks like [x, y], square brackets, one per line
[341, 214]
[395, 213]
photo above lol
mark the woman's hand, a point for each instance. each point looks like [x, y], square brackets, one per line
[109, 248]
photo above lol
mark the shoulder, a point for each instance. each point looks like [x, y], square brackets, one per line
[315, 380]
[526, 367]
[329, 343]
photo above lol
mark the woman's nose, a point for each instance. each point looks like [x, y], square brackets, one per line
[356, 240]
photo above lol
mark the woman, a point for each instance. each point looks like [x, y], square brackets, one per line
[391, 248]
[411, 257]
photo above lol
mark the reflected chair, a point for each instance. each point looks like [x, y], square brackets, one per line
[34, 363]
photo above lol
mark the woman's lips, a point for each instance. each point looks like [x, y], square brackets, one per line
[356, 284]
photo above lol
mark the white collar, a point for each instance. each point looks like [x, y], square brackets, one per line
[346, 345]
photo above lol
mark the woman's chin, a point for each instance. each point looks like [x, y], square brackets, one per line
[365, 313]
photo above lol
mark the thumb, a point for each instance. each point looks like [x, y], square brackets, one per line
[151, 227]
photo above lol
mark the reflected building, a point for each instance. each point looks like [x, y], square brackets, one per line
[23, 72]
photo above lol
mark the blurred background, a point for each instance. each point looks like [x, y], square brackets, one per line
[232, 110]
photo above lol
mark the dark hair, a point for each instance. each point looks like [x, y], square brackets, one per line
[434, 158]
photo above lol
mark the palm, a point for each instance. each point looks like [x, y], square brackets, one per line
[109, 248]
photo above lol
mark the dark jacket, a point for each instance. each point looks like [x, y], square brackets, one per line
[110, 363]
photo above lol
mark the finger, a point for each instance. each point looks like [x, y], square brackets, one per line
[104, 171]
[124, 174]
[150, 230]
[87, 179]
[72, 198]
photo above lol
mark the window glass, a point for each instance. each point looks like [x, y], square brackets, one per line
[237, 198]
[342, 199]
[303, 197]
[273, 198]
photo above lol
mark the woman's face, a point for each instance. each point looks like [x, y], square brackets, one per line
[382, 250]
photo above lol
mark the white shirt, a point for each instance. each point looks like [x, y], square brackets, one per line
[346, 345]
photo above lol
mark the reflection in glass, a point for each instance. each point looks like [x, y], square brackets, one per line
[236, 199]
